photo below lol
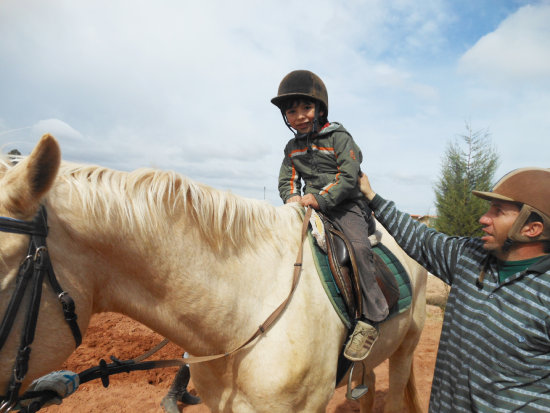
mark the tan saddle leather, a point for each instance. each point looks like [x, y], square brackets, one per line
[341, 258]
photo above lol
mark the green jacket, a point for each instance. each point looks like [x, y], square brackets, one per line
[326, 166]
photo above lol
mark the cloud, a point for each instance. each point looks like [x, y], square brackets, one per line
[186, 85]
[57, 128]
[516, 53]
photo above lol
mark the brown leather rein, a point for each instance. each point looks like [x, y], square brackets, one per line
[266, 325]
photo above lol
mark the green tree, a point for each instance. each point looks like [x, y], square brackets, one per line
[469, 163]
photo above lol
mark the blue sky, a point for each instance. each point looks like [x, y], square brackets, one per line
[186, 85]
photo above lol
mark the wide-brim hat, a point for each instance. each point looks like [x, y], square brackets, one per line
[529, 187]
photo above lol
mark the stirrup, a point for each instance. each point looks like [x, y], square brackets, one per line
[357, 392]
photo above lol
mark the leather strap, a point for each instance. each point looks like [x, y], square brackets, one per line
[104, 370]
[32, 271]
[354, 273]
[266, 325]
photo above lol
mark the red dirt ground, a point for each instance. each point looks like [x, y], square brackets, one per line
[113, 334]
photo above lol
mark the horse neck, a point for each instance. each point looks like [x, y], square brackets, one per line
[173, 281]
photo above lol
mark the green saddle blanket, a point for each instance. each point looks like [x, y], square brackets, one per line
[327, 280]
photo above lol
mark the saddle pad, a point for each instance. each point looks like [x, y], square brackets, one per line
[333, 292]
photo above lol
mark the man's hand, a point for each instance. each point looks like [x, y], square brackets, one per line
[364, 186]
[295, 198]
[309, 200]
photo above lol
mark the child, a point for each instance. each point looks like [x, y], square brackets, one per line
[324, 156]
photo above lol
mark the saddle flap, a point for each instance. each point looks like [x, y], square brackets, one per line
[342, 264]
[338, 259]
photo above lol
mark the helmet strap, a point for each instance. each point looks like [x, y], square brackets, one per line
[514, 235]
[287, 123]
[507, 245]
[315, 128]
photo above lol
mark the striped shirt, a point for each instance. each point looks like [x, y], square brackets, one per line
[494, 351]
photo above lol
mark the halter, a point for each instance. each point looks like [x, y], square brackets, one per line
[32, 271]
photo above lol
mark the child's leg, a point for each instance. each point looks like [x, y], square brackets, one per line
[352, 221]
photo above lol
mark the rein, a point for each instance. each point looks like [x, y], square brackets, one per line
[35, 267]
[104, 370]
[266, 325]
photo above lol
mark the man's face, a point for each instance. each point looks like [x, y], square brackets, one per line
[497, 222]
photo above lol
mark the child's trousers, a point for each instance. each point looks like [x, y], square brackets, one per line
[352, 219]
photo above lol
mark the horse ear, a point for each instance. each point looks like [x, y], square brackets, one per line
[24, 185]
[43, 165]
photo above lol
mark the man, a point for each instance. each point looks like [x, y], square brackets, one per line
[494, 351]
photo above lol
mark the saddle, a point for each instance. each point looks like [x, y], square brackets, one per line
[342, 263]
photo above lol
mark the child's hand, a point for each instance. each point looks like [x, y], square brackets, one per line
[309, 200]
[296, 198]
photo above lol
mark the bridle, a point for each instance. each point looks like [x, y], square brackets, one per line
[35, 267]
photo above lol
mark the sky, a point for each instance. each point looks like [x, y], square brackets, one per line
[186, 85]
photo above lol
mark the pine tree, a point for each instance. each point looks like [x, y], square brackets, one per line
[467, 165]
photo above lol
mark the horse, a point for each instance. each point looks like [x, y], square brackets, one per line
[200, 266]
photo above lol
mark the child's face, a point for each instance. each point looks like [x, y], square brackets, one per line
[301, 116]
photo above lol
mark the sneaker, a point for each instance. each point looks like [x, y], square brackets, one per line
[360, 342]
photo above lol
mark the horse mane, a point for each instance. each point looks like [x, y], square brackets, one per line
[144, 200]
[8, 161]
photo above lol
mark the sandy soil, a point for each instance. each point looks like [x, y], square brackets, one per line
[113, 334]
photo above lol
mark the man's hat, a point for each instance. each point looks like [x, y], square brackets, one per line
[529, 187]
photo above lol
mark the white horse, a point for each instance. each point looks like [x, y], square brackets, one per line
[202, 267]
